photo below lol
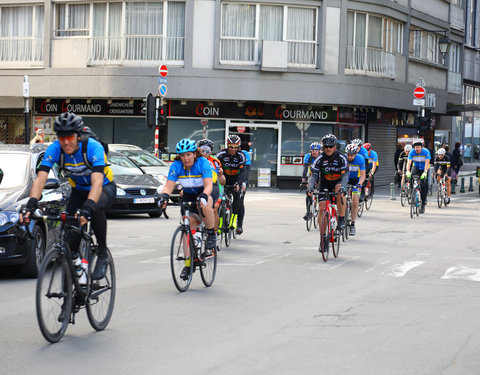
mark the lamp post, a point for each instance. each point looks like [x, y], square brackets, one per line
[444, 44]
[26, 96]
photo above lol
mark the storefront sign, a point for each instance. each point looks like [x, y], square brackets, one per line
[97, 107]
[264, 177]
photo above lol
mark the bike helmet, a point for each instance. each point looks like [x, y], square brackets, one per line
[233, 140]
[408, 148]
[368, 146]
[315, 146]
[205, 142]
[351, 149]
[329, 140]
[67, 123]
[357, 142]
[186, 145]
[418, 142]
[441, 151]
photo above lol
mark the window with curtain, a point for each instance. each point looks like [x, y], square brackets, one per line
[424, 45]
[454, 58]
[244, 27]
[72, 19]
[21, 33]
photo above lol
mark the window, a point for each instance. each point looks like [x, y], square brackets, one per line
[454, 58]
[245, 26]
[21, 34]
[472, 35]
[72, 19]
[424, 45]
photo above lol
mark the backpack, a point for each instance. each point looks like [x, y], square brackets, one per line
[85, 134]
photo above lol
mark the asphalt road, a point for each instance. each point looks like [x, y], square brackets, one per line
[402, 298]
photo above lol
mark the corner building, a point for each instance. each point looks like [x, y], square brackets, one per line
[280, 74]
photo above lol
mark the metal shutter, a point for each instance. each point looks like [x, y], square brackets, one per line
[383, 139]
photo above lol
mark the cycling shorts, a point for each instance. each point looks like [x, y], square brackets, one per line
[327, 185]
[192, 198]
[353, 182]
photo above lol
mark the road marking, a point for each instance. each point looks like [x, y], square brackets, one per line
[161, 260]
[338, 262]
[376, 266]
[462, 273]
[130, 251]
[471, 200]
[401, 270]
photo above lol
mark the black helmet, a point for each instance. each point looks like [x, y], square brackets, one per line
[68, 123]
[205, 142]
[329, 140]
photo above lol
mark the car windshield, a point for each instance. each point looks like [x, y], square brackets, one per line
[122, 165]
[15, 169]
[144, 159]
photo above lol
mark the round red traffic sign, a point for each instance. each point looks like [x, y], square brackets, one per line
[241, 129]
[163, 70]
[419, 92]
[204, 122]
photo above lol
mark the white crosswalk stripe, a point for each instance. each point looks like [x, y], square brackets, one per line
[463, 273]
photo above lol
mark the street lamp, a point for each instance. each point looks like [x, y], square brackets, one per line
[444, 44]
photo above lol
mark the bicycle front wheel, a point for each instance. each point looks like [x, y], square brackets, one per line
[440, 197]
[101, 297]
[182, 244]
[309, 220]
[412, 206]
[403, 198]
[226, 228]
[325, 236]
[418, 201]
[337, 234]
[368, 196]
[360, 207]
[208, 267]
[315, 215]
[53, 297]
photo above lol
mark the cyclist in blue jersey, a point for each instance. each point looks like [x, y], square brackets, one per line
[356, 166]
[418, 164]
[93, 189]
[194, 173]
[362, 151]
[372, 164]
[308, 161]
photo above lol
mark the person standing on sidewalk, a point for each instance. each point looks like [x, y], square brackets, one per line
[456, 162]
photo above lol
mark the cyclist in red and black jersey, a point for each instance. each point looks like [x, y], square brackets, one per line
[331, 169]
[233, 163]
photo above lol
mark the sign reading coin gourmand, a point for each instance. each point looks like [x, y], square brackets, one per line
[94, 107]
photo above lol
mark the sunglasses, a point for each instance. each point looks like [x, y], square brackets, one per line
[234, 147]
[328, 146]
[69, 138]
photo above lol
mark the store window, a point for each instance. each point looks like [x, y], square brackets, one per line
[346, 133]
[292, 135]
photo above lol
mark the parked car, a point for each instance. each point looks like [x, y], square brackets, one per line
[137, 191]
[18, 164]
[149, 163]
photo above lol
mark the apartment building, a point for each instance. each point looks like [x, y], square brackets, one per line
[279, 73]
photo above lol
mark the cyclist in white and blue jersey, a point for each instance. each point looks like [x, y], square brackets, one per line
[356, 167]
[308, 162]
[418, 164]
[194, 173]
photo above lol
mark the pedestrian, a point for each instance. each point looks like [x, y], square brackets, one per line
[447, 150]
[456, 161]
[398, 177]
[39, 137]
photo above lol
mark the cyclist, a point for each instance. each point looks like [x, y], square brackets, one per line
[93, 190]
[206, 147]
[420, 158]
[372, 164]
[356, 166]
[402, 161]
[308, 161]
[442, 166]
[248, 163]
[233, 164]
[331, 170]
[194, 173]
[362, 151]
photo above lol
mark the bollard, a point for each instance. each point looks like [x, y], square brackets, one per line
[453, 185]
[462, 185]
[470, 186]
[392, 191]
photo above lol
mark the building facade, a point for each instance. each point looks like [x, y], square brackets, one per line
[281, 74]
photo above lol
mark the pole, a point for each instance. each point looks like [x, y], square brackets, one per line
[392, 191]
[158, 104]
[26, 95]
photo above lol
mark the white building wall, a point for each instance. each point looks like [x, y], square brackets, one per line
[203, 34]
[332, 40]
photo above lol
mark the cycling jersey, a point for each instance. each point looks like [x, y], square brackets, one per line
[443, 164]
[402, 161]
[233, 166]
[192, 179]
[373, 158]
[248, 158]
[332, 169]
[355, 166]
[419, 159]
[215, 163]
[308, 161]
[363, 152]
[79, 175]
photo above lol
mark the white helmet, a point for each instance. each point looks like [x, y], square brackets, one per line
[357, 142]
[408, 148]
[441, 151]
[418, 141]
[351, 149]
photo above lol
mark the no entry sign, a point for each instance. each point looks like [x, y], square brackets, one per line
[419, 92]
[163, 70]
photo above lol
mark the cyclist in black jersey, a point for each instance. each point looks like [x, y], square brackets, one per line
[402, 162]
[308, 161]
[233, 164]
[331, 170]
[441, 167]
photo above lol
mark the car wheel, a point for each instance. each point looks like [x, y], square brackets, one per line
[36, 252]
[154, 214]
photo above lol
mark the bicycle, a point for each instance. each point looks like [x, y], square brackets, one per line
[226, 228]
[59, 294]
[329, 232]
[312, 219]
[368, 192]
[406, 193]
[348, 213]
[442, 192]
[185, 253]
[416, 199]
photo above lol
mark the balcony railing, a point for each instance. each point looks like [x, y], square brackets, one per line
[370, 61]
[26, 51]
[121, 50]
[455, 82]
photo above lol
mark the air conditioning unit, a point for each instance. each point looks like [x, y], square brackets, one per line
[274, 55]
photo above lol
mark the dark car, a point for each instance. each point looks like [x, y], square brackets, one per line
[18, 164]
[137, 191]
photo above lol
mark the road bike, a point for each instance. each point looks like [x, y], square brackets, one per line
[330, 234]
[442, 192]
[226, 226]
[416, 199]
[406, 193]
[312, 219]
[348, 212]
[368, 192]
[188, 252]
[59, 295]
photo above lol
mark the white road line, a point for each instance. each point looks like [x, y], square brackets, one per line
[376, 266]
[401, 270]
[471, 200]
[130, 252]
[161, 260]
[462, 273]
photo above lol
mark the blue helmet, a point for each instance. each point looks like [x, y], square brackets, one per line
[186, 145]
[315, 146]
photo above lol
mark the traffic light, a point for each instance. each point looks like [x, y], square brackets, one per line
[423, 124]
[162, 115]
[150, 118]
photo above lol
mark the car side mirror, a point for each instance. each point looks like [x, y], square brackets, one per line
[52, 183]
[1, 175]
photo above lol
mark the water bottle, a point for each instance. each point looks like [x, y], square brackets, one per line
[77, 262]
[83, 279]
[333, 222]
[197, 239]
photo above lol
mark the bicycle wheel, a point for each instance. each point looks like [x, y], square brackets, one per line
[418, 201]
[337, 234]
[101, 297]
[315, 215]
[360, 208]
[208, 266]
[403, 197]
[53, 297]
[412, 207]
[220, 233]
[368, 196]
[325, 237]
[226, 228]
[348, 220]
[309, 220]
[181, 242]
[440, 197]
